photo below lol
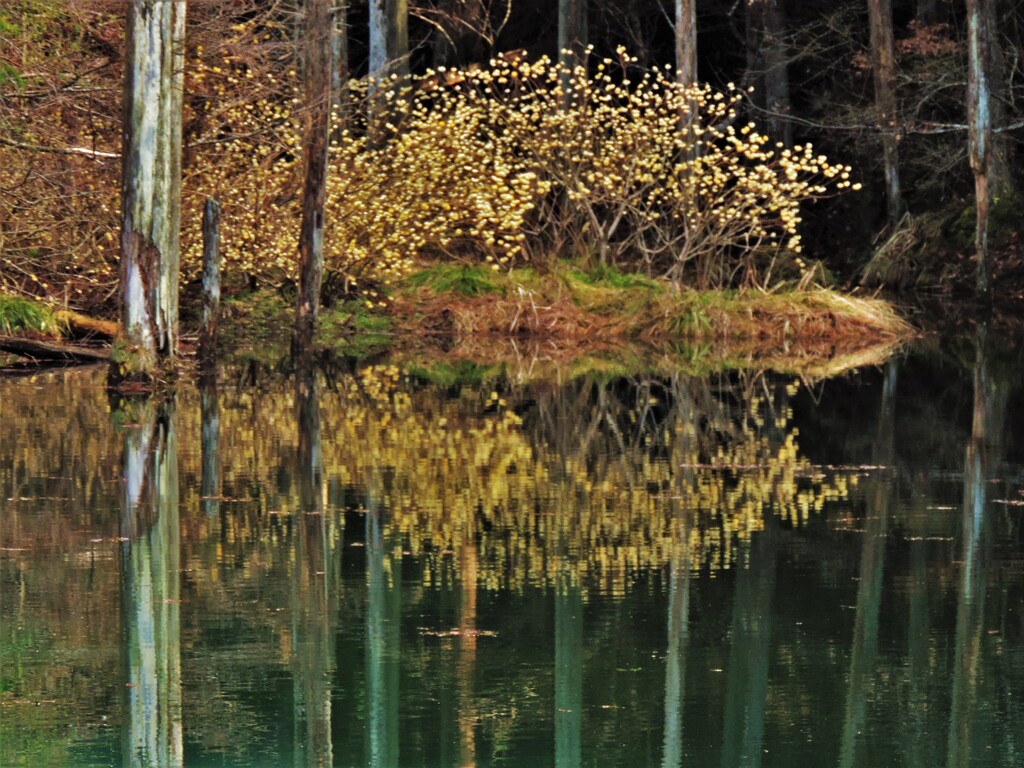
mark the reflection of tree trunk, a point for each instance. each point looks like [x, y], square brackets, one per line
[679, 582]
[869, 591]
[150, 591]
[311, 624]
[749, 656]
[382, 642]
[568, 670]
[675, 664]
[917, 748]
[209, 408]
[989, 403]
[467, 655]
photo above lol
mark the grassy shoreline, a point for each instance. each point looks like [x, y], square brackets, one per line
[610, 320]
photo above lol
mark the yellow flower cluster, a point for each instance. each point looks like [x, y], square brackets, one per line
[516, 160]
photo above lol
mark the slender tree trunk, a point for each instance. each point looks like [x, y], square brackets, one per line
[151, 186]
[316, 127]
[776, 74]
[341, 71]
[208, 330]
[980, 38]
[461, 38]
[573, 39]
[884, 65]
[686, 42]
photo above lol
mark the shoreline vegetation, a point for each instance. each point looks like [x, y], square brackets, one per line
[555, 323]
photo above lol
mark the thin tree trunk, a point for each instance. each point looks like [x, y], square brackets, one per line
[776, 74]
[461, 38]
[686, 42]
[318, 80]
[980, 33]
[573, 27]
[151, 186]
[884, 66]
[341, 71]
[208, 330]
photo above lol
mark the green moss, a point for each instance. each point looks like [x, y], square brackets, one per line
[1004, 219]
[455, 278]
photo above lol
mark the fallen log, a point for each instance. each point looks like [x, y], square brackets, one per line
[49, 350]
[79, 325]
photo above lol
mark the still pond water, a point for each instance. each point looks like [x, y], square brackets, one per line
[449, 567]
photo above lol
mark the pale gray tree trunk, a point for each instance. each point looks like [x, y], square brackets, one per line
[316, 126]
[883, 63]
[980, 34]
[389, 38]
[151, 185]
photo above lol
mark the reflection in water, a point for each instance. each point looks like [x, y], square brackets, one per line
[150, 588]
[981, 459]
[209, 413]
[383, 616]
[312, 577]
[711, 584]
[863, 658]
[568, 672]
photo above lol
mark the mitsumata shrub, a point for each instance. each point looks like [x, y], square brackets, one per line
[524, 161]
[606, 164]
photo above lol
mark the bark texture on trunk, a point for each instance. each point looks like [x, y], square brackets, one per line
[151, 181]
[318, 79]
[573, 38]
[883, 63]
[686, 41]
[389, 38]
[980, 32]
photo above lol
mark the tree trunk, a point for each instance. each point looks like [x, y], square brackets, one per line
[884, 65]
[980, 32]
[776, 75]
[151, 186]
[389, 39]
[318, 79]
[208, 329]
[341, 71]
[572, 40]
[462, 34]
[686, 42]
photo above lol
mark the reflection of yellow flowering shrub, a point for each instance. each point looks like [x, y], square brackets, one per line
[450, 473]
